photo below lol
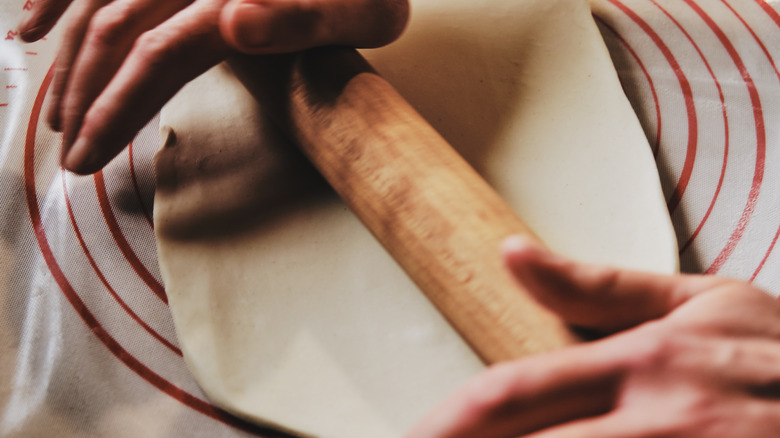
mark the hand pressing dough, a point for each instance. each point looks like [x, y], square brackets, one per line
[288, 311]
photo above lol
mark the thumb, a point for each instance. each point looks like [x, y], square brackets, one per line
[600, 298]
[281, 26]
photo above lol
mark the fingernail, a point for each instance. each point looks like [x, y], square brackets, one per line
[251, 27]
[515, 243]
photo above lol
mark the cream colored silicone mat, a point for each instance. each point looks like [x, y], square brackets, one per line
[87, 346]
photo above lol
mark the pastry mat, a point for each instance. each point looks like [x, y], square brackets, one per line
[87, 346]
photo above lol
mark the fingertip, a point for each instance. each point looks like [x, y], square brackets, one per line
[518, 250]
[516, 244]
[81, 158]
[34, 26]
[53, 119]
[41, 18]
[25, 29]
[32, 34]
[71, 157]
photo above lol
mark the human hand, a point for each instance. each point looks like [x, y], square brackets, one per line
[121, 60]
[686, 356]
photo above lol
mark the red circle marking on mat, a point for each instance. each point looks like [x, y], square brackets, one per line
[103, 279]
[83, 311]
[773, 14]
[121, 241]
[693, 131]
[726, 145]
[758, 116]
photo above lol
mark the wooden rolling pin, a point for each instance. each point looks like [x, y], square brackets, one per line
[432, 212]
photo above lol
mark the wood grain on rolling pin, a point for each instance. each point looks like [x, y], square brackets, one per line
[433, 213]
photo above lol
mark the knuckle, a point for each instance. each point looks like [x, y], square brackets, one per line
[725, 301]
[729, 290]
[109, 25]
[308, 11]
[708, 414]
[681, 412]
[659, 348]
[154, 49]
[605, 281]
[307, 18]
[765, 417]
[701, 412]
[723, 355]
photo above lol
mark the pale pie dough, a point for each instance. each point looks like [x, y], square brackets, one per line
[287, 310]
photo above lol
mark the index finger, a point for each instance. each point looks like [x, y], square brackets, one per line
[161, 62]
